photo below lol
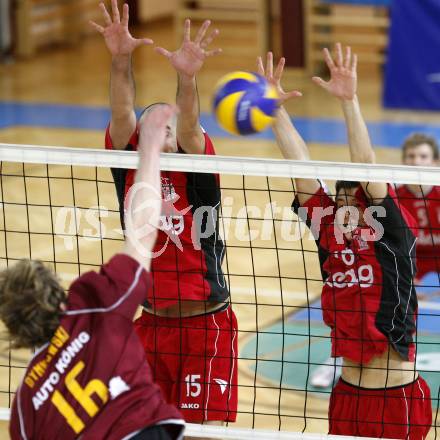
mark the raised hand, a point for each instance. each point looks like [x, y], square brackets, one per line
[153, 127]
[144, 201]
[275, 78]
[343, 74]
[117, 37]
[189, 58]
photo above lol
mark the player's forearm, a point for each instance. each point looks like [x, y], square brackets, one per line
[189, 133]
[293, 147]
[144, 201]
[122, 96]
[187, 100]
[289, 141]
[122, 86]
[358, 138]
[146, 172]
[361, 150]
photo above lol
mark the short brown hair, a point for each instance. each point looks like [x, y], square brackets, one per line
[416, 139]
[345, 184]
[30, 299]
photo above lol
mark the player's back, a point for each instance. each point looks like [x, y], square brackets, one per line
[92, 379]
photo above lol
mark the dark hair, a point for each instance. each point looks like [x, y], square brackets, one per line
[30, 299]
[416, 139]
[346, 184]
[149, 107]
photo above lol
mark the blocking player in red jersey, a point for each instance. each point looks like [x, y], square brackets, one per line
[89, 378]
[187, 326]
[366, 243]
[424, 202]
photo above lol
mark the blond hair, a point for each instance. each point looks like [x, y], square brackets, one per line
[30, 300]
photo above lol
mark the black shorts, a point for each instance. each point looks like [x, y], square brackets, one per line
[160, 432]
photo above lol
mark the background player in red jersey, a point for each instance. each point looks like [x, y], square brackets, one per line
[368, 298]
[187, 326]
[424, 202]
[89, 377]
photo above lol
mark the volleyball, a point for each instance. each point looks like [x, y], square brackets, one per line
[244, 103]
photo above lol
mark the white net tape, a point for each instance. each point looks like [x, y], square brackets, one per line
[218, 432]
[224, 165]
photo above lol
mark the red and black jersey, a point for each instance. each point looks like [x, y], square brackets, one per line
[187, 263]
[92, 379]
[368, 298]
[426, 210]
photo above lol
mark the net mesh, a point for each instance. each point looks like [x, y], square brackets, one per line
[59, 205]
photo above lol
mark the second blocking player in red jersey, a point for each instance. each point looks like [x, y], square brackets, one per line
[188, 328]
[424, 202]
[89, 378]
[368, 297]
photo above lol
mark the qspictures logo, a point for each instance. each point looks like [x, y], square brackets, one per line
[236, 222]
[171, 219]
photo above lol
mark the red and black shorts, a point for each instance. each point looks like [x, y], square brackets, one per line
[194, 360]
[402, 412]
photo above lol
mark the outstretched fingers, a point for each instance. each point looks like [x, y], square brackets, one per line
[164, 52]
[339, 57]
[143, 42]
[280, 69]
[347, 61]
[202, 31]
[328, 59]
[260, 66]
[106, 15]
[214, 52]
[125, 15]
[269, 65]
[187, 30]
[354, 64]
[293, 94]
[208, 40]
[97, 27]
[320, 82]
[115, 11]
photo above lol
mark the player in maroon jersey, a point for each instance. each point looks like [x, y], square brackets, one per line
[89, 378]
[187, 326]
[424, 201]
[366, 243]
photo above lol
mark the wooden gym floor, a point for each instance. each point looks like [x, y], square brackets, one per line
[80, 76]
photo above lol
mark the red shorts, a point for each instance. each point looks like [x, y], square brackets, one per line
[403, 412]
[194, 360]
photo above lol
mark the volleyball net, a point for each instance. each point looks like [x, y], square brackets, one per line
[59, 205]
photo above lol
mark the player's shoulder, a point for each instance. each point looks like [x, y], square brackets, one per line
[83, 293]
[209, 145]
[120, 266]
[106, 290]
[38, 363]
[402, 190]
[132, 143]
